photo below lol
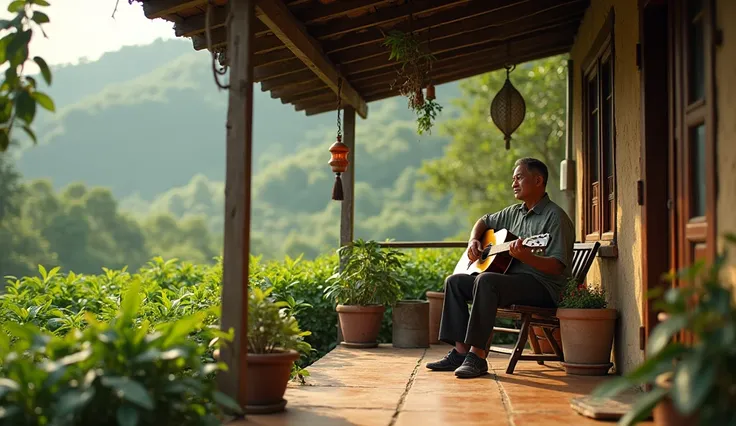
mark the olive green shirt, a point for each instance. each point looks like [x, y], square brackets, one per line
[544, 217]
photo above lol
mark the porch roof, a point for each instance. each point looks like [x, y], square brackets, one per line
[302, 46]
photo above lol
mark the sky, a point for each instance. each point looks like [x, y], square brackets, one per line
[81, 29]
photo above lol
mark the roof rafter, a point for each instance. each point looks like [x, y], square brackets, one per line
[481, 27]
[276, 15]
[453, 76]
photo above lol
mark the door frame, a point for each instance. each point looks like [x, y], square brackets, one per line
[660, 136]
[657, 235]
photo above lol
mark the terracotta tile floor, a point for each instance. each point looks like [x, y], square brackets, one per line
[388, 386]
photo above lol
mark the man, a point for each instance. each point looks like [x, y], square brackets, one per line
[530, 280]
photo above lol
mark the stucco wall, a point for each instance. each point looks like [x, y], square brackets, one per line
[726, 134]
[621, 277]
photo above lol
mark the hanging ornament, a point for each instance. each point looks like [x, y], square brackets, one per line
[339, 160]
[508, 109]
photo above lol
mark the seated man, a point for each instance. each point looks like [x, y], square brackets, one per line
[530, 280]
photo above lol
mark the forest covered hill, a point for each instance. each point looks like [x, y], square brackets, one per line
[140, 134]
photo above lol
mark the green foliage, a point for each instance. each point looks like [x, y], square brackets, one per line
[579, 296]
[699, 378]
[124, 371]
[413, 75]
[370, 275]
[476, 170]
[19, 94]
[271, 328]
[81, 229]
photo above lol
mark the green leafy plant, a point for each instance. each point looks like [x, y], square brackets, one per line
[271, 328]
[119, 372]
[703, 374]
[370, 275]
[579, 296]
[19, 93]
[413, 76]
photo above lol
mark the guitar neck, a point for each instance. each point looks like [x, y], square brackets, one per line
[499, 248]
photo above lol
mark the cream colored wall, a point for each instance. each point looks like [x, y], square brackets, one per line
[621, 277]
[725, 70]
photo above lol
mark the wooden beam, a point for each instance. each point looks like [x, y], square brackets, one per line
[468, 44]
[480, 69]
[347, 206]
[264, 72]
[160, 8]
[324, 98]
[292, 33]
[305, 96]
[195, 25]
[452, 76]
[324, 12]
[438, 22]
[281, 92]
[478, 29]
[218, 37]
[300, 77]
[272, 57]
[238, 174]
[385, 71]
[451, 61]
[384, 16]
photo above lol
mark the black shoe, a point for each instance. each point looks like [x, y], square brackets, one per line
[473, 366]
[450, 362]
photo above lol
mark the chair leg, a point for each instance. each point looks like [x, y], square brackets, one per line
[552, 342]
[520, 343]
[535, 344]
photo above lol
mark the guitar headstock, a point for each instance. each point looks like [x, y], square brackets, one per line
[536, 241]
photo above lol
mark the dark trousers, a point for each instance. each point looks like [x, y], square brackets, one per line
[487, 291]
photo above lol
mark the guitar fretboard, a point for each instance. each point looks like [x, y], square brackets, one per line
[498, 248]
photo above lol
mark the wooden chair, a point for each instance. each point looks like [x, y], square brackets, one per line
[583, 256]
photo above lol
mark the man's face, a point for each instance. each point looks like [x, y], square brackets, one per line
[524, 183]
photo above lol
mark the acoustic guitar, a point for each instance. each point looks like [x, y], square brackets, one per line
[495, 256]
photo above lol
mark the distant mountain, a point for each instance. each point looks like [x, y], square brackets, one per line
[148, 122]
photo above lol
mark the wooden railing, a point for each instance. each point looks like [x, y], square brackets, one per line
[424, 244]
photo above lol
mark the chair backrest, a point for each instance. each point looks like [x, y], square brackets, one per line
[582, 258]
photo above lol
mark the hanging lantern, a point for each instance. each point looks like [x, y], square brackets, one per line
[339, 163]
[339, 159]
[508, 109]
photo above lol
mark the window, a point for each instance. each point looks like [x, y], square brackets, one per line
[599, 162]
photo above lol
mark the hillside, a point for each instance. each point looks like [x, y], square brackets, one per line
[153, 133]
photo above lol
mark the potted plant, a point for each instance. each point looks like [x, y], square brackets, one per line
[368, 280]
[586, 329]
[691, 383]
[274, 343]
[436, 301]
[413, 76]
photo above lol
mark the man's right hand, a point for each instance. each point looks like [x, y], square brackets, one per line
[474, 249]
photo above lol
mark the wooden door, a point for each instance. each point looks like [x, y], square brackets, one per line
[692, 148]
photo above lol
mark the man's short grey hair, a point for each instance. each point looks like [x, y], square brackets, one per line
[534, 166]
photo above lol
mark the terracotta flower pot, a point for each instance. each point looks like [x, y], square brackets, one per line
[665, 413]
[436, 300]
[587, 339]
[360, 325]
[542, 339]
[268, 375]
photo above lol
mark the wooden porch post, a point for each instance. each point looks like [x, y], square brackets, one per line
[567, 168]
[347, 218]
[347, 208]
[237, 198]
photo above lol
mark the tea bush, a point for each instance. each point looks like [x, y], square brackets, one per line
[57, 302]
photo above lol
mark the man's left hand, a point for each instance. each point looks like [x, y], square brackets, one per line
[519, 251]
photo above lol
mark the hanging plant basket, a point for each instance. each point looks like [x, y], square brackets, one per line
[508, 109]
[413, 76]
